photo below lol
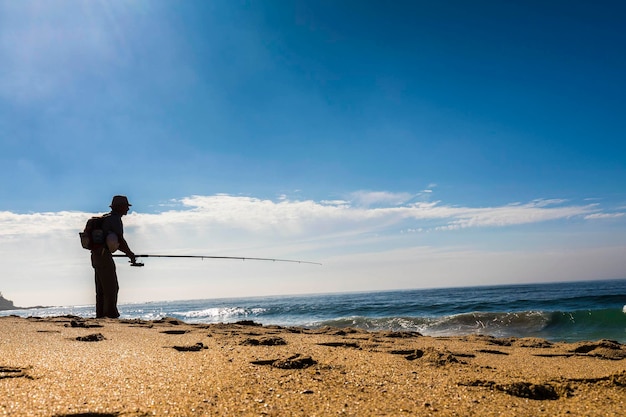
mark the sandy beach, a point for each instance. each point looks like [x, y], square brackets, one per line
[70, 366]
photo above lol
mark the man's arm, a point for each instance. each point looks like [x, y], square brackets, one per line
[124, 248]
[113, 223]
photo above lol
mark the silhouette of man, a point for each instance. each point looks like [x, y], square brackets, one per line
[107, 286]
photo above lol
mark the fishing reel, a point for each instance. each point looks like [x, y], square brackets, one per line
[135, 263]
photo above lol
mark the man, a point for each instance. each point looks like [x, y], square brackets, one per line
[102, 259]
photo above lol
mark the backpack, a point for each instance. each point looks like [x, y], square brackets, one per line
[93, 237]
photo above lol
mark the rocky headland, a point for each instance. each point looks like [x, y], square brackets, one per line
[6, 304]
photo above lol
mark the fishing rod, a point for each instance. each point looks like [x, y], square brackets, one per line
[241, 258]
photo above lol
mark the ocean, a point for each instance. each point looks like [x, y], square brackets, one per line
[570, 311]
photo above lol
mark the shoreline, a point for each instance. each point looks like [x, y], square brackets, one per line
[68, 365]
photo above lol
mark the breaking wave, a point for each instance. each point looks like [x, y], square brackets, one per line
[557, 325]
[219, 314]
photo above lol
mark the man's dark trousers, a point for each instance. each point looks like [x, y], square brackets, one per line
[107, 286]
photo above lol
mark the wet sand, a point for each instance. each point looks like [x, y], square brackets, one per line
[68, 366]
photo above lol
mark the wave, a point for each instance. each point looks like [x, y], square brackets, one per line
[219, 313]
[589, 324]
[457, 324]
[557, 325]
[562, 311]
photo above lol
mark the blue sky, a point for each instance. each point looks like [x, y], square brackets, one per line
[404, 144]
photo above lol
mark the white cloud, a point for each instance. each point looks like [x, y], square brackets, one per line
[224, 222]
[252, 213]
[304, 218]
[12, 224]
[596, 216]
[514, 214]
